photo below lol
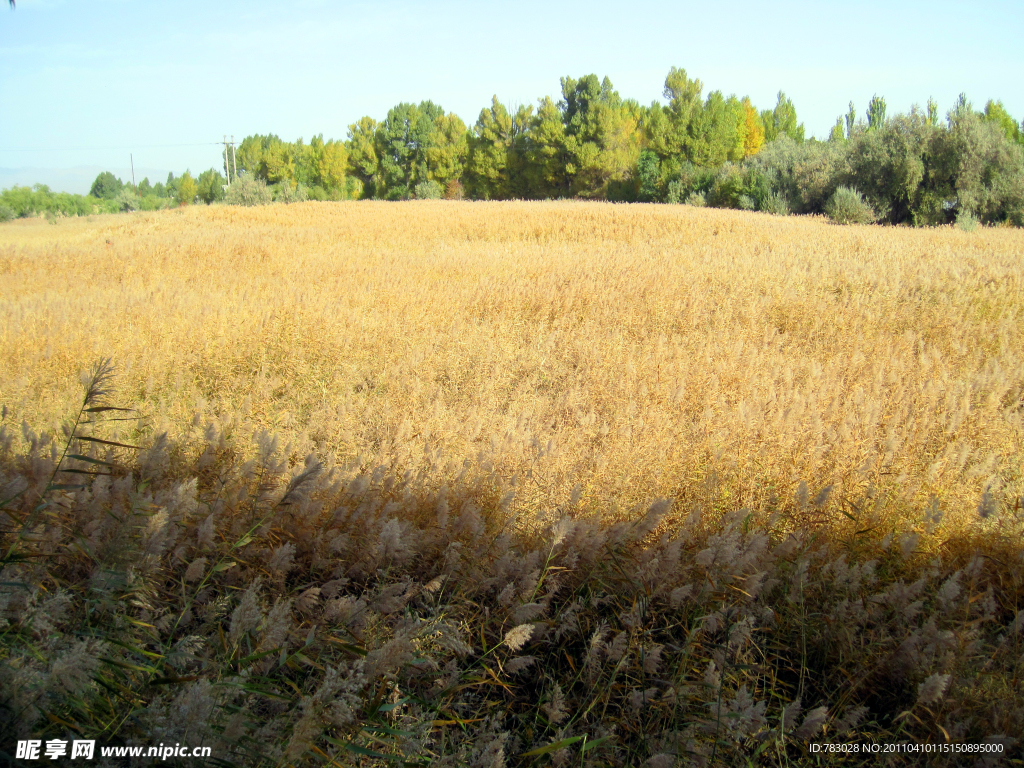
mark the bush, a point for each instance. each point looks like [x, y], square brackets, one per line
[248, 190]
[128, 201]
[428, 190]
[774, 203]
[676, 192]
[648, 172]
[286, 193]
[152, 203]
[696, 199]
[967, 221]
[983, 170]
[7, 213]
[727, 188]
[745, 203]
[454, 190]
[847, 206]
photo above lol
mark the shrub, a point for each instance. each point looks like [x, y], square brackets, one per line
[967, 221]
[745, 203]
[152, 203]
[286, 193]
[676, 192]
[648, 171]
[696, 199]
[454, 190]
[127, 201]
[775, 204]
[248, 190]
[7, 213]
[984, 170]
[428, 190]
[726, 190]
[847, 206]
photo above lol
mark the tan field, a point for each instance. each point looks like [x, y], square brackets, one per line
[833, 412]
[597, 353]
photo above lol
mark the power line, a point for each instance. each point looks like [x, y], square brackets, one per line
[101, 148]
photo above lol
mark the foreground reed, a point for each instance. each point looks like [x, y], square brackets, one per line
[314, 614]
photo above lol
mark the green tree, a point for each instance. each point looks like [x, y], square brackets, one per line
[782, 121]
[890, 164]
[995, 113]
[187, 189]
[363, 162]
[496, 152]
[717, 131]
[602, 135]
[210, 186]
[325, 165]
[546, 155]
[249, 156]
[876, 113]
[648, 171]
[978, 168]
[836, 134]
[402, 141]
[106, 186]
[448, 150]
[851, 120]
[171, 187]
[278, 160]
[685, 104]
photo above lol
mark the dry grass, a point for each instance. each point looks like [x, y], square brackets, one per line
[497, 392]
[634, 350]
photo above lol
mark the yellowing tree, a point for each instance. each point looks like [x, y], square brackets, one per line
[187, 189]
[332, 164]
[279, 161]
[754, 138]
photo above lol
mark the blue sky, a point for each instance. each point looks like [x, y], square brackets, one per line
[86, 83]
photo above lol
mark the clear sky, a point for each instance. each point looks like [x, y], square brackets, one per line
[86, 83]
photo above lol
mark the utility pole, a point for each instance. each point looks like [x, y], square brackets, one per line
[233, 166]
[227, 170]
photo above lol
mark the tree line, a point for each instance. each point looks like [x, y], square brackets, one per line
[592, 143]
[109, 194]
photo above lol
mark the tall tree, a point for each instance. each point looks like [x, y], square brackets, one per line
[447, 151]
[106, 186]
[717, 131]
[876, 113]
[996, 113]
[187, 189]
[546, 154]
[363, 161]
[495, 152]
[753, 135]
[685, 104]
[602, 136]
[851, 120]
[209, 186]
[402, 141]
[782, 121]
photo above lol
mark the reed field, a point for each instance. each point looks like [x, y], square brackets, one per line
[548, 483]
